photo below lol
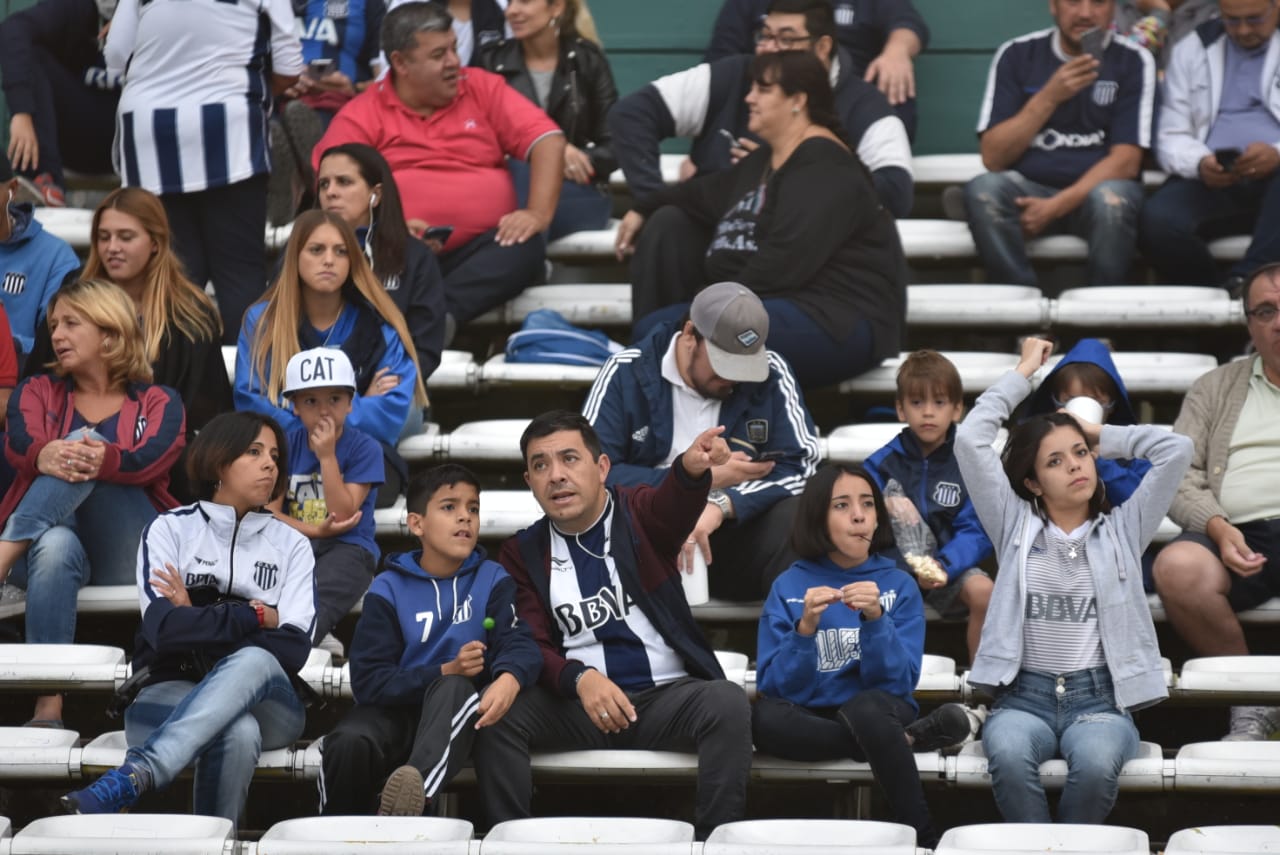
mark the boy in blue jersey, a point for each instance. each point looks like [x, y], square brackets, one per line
[921, 459]
[334, 473]
[438, 644]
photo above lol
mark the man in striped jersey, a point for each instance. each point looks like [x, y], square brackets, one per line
[713, 369]
[624, 664]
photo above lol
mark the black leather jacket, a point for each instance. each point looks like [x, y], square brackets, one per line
[582, 93]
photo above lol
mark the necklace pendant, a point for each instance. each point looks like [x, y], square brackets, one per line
[1071, 553]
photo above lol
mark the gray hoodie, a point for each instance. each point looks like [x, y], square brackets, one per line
[1115, 544]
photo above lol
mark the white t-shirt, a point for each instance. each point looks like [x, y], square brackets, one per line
[691, 413]
[197, 93]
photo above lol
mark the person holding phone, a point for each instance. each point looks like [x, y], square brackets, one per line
[712, 368]
[1218, 142]
[1063, 127]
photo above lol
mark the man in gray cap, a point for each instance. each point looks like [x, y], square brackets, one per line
[712, 368]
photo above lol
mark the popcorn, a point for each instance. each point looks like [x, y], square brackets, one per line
[926, 568]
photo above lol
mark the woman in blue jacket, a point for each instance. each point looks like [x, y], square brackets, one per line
[327, 296]
[840, 646]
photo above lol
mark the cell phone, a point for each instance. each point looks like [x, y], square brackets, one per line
[1094, 42]
[766, 456]
[319, 67]
[440, 233]
[733, 141]
[1226, 157]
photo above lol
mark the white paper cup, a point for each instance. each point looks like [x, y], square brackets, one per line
[695, 583]
[1085, 408]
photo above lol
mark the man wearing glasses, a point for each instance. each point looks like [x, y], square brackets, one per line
[1228, 557]
[1219, 133]
[706, 103]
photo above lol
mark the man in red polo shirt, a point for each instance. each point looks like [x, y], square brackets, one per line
[446, 131]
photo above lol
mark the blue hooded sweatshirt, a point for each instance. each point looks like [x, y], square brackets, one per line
[412, 623]
[33, 264]
[847, 654]
[1121, 477]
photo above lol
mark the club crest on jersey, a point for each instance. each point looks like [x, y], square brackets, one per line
[463, 613]
[264, 574]
[1105, 92]
[947, 494]
[757, 431]
[15, 283]
[139, 428]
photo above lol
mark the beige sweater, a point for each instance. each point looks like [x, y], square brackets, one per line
[1209, 415]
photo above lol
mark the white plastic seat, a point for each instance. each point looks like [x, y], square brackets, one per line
[1230, 248]
[728, 610]
[945, 169]
[229, 361]
[584, 304]
[1224, 840]
[1236, 766]
[498, 372]
[73, 225]
[588, 246]
[668, 163]
[125, 834]
[492, 440]
[392, 521]
[1150, 372]
[108, 599]
[422, 446]
[1147, 772]
[60, 666]
[938, 674]
[614, 763]
[1232, 675]
[504, 512]
[734, 665]
[107, 750]
[1037, 838]
[35, 752]
[976, 305]
[936, 240]
[811, 837]
[855, 443]
[6, 834]
[541, 835]
[930, 764]
[978, 370]
[457, 370]
[352, 835]
[1146, 305]
[316, 669]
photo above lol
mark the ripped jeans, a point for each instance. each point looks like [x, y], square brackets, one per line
[1107, 219]
[1032, 722]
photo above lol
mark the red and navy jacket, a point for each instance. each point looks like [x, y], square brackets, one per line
[650, 525]
[152, 432]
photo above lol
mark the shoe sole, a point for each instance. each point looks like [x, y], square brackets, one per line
[403, 794]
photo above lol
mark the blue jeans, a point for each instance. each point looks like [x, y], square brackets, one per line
[1107, 219]
[582, 207]
[223, 723]
[1031, 723]
[82, 531]
[1180, 218]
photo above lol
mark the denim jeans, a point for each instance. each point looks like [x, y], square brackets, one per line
[78, 532]
[582, 207]
[1107, 219]
[1031, 723]
[223, 723]
[1180, 218]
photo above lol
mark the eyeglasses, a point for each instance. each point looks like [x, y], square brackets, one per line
[783, 42]
[1264, 314]
[1232, 21]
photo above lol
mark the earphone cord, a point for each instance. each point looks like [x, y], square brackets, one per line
[368, 237]
[608, 501]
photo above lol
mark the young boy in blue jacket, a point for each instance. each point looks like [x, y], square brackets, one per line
[930, 399]
[438, 654]
[334, 473]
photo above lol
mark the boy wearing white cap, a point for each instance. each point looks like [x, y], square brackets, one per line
[334, 473]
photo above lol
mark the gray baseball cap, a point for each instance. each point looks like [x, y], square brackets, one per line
[735, 325]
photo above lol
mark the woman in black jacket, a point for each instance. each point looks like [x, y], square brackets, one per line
[549, 63]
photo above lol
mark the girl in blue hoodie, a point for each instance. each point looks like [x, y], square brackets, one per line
[840, 645]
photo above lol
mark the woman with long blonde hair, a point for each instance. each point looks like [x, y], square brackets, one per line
[92, 444]
[132, 248]
[327, 296]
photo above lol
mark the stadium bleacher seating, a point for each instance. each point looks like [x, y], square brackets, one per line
[1035, 838]
[811, 837]
[1224, 839]
[384, 835]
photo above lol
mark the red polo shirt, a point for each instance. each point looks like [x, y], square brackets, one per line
[449, 166]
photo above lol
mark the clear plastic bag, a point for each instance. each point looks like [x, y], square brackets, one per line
[915, 540]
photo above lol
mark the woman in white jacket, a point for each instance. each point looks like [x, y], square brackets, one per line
[1068, 648]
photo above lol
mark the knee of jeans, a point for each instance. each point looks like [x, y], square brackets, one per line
[990, 196]
[56, 552]
[243, 737]
[256, 662]
[1114, 201]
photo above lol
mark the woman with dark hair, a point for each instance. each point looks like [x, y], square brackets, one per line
[92, 444]
[552, 65]
[356, 183]
[797, 221]
[1068, 649]
[840, 647]
[214, 662]
[132, 247]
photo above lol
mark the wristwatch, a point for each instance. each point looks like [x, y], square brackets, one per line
[721, 500]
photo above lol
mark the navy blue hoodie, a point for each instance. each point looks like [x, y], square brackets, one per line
[1121, 477]
[412, 623]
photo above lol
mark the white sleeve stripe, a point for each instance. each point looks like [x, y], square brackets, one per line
[988, 98]
[529, 150]
[1146, 115]
[795, 411]
[591, 408]
[885, 144]
[687, 95]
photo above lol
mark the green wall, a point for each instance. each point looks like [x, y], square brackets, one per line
[653, 37]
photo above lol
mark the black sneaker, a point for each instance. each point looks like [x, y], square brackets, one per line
[942, 728]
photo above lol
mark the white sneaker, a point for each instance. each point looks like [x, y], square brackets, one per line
[332, 645]
[1253, 724]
